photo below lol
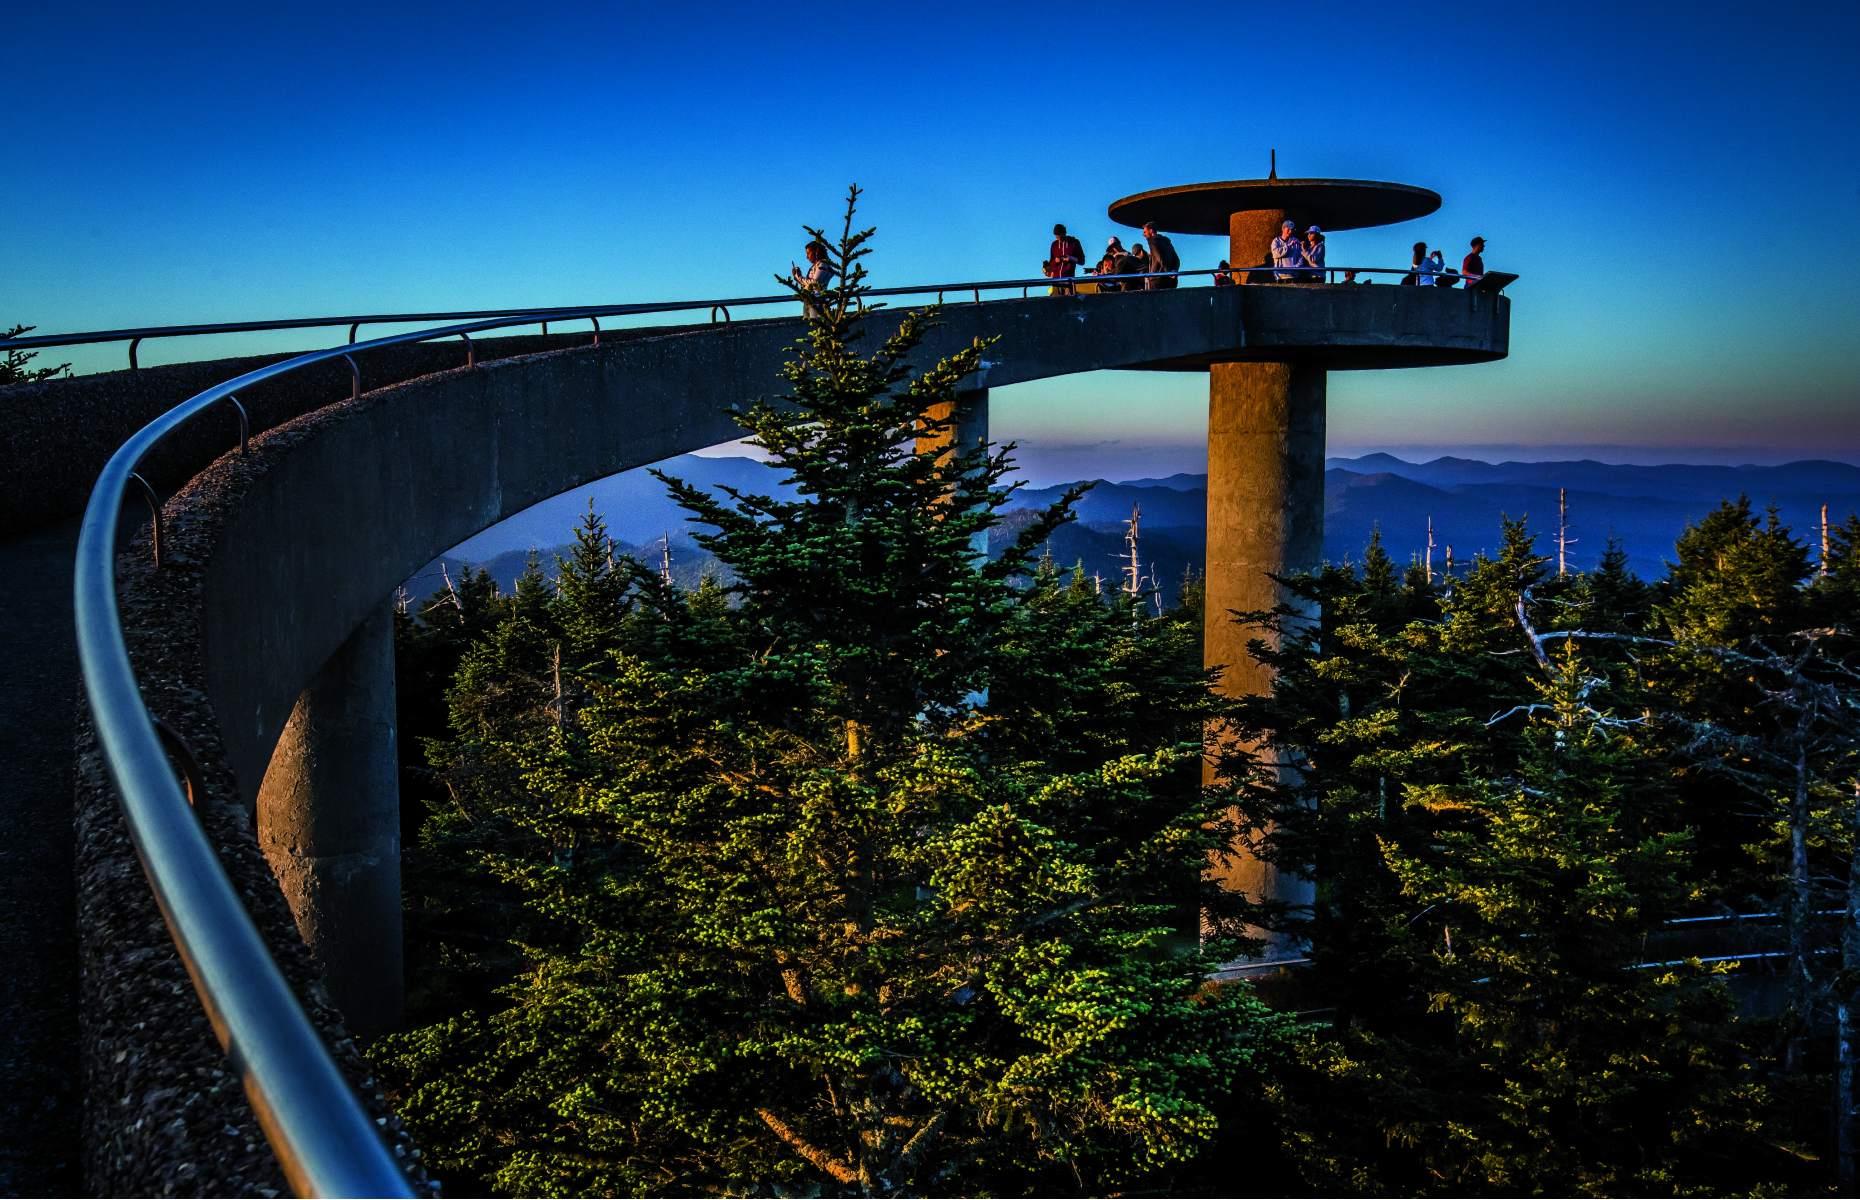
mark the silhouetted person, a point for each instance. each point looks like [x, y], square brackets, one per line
[1288, 253]
[1114, 253]
[1133, 261]
[1472, 267]
[816, 278]
[1222, 276]
[1063, 258]
[1162, 257]
[1413, 277]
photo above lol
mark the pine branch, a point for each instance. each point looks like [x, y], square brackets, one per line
[838, 1171]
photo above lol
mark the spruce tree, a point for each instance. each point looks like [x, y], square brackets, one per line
[870, 880]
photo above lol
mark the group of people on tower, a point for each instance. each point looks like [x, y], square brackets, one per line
[1429, 268]
[1294, 259]
[1067, 254]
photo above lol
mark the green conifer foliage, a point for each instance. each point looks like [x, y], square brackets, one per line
[865, 874]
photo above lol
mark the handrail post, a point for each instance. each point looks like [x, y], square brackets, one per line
[597, 329]
[471, 355]
[245, 424]
[148, 494]
[355, 377]
[133, 343]
[352, 328]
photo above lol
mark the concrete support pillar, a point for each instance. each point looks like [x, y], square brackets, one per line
[968, 417]
[1265, 517]
[1250, 234]
[329, 824]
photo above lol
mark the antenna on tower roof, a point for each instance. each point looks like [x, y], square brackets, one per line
[1275, 164]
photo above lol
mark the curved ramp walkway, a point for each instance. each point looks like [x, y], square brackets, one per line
[273, 559]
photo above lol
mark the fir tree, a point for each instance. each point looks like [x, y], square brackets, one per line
[801, 910]
[17, 366]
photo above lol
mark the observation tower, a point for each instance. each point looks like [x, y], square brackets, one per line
[1266, 408]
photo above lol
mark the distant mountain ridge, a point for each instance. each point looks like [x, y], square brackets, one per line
[1646, 507]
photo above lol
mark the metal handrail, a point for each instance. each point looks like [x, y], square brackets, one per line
[324, 1140]
[542, 316]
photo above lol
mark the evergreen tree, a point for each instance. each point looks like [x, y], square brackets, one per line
[869, 880]
[17, 366]
[1581, 1073]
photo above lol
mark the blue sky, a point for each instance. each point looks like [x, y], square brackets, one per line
[1679, 189]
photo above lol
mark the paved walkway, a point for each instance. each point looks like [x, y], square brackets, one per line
[38, 938]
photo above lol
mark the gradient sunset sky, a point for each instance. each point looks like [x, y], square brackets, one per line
[1679, 187]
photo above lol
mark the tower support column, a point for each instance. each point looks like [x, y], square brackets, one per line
[1250, 234]
[1265, 518]
[329, 824]
[967, 417]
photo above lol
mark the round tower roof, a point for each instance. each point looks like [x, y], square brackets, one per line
[1330, 203]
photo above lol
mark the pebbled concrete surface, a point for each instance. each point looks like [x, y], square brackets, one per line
[38, 935]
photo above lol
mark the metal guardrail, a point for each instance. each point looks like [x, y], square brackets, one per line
[323, 1138]
[543, 316]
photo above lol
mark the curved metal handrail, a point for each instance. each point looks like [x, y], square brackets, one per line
[324, 1140]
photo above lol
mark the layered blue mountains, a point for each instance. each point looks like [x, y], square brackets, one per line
[1644, 507]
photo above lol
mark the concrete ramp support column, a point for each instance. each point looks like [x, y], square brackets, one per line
[968, 417]
[1265, 518]
[329, 823]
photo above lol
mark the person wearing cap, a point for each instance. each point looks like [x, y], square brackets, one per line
[1472, 267]
[1113, 251]
[1288, 253]
[1162, 258]
[1314, 254]
[1133, 261]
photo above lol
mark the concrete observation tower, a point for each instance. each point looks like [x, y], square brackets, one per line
[1266, 408]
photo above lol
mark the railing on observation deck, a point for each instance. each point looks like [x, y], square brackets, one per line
[543, 316]
[323, 1138]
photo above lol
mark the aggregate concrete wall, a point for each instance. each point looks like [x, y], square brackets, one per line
[274, 558]
[55, 436]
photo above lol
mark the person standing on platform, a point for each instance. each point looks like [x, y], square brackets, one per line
[1288, 253]
[1442, 278]
[1425, 265]
[815, 279]
[1314, 254]
[1063, 258]
[1413, 277]
[1472, 267]
[1162, 258]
